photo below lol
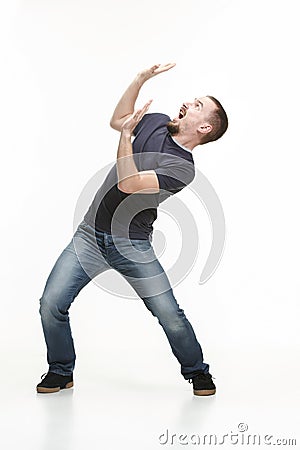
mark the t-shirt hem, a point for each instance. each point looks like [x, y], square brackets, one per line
[133, 235]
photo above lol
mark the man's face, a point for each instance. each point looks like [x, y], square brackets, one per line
[192, 116]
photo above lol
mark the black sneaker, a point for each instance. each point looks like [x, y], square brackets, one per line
[53, 382]
[203, 384]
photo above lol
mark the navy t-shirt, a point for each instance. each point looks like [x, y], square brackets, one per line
[132, 215]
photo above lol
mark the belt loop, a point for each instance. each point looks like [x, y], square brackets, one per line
[105, 239]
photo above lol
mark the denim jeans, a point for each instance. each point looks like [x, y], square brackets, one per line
[90, 253]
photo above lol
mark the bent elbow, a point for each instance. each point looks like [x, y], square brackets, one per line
[113, 125]
[123, 187]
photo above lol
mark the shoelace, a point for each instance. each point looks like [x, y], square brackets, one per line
[44, 375]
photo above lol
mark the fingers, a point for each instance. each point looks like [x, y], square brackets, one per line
[153, 68]
[159, 68]
[146, 74]
[132, 121]
[169, 66]
[147, 105]
[163, 68]
[140, 112]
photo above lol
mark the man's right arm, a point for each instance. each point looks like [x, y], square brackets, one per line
[125, 107]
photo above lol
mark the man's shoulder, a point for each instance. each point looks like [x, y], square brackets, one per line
[156, 116]
[152, 121]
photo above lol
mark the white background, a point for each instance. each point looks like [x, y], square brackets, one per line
[64, 65]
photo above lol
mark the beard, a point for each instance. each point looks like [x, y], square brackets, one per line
[173, 127]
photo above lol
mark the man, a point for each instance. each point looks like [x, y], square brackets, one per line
[116, 232]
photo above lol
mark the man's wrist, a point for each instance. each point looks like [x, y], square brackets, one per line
[126, 134]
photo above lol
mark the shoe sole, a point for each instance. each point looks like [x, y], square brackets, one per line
[45, 390]
[204, 392]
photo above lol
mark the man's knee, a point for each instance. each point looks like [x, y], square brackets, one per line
[53, 307]
[169, 316]
[173, 320]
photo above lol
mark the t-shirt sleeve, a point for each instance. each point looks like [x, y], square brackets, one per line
[150, 122]
[174, 173]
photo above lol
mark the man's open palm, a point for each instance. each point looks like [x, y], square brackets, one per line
[155, 70]
[132, 121]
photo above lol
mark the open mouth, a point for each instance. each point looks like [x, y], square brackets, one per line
[182, 112]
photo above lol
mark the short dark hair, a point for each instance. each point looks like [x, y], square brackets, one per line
[219, 121]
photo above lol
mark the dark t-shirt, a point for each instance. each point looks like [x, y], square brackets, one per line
[132, 215]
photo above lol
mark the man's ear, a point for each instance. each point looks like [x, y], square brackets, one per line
[205, 128]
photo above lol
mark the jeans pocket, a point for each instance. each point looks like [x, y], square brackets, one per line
[140, 244]
[83, 224]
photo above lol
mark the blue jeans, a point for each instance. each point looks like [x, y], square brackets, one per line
[87, 255]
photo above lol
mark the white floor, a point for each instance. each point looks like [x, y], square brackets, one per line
[128, 391]
[117, 407]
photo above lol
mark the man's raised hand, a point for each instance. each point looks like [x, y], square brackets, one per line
[146, 74]
[132, 121]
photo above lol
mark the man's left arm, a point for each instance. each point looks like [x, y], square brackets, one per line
[130, 180]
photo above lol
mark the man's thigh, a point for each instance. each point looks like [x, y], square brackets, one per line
[75, 267]
[136, 260]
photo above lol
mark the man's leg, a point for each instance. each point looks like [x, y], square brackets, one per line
[140, 267]
[78, 263]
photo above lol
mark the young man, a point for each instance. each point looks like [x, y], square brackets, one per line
[116, 231]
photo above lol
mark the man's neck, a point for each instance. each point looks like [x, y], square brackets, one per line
[188, 143]
[180, 145]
